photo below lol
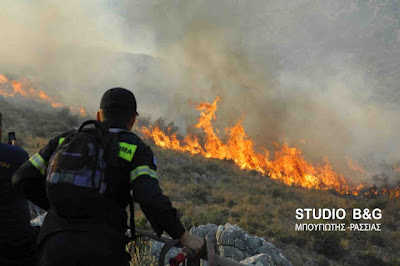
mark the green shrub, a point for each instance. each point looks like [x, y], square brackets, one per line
[329, 244]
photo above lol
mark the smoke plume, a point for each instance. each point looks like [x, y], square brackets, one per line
[318, 74]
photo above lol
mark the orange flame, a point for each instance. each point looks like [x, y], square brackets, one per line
[3, 79]
[288, 166]
[18, 88]
[44, 96]
[82, 111]
[56, 105]
[354, 167]
[25, 89]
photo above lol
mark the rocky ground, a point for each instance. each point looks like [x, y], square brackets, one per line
[233, 242]
[230, 241]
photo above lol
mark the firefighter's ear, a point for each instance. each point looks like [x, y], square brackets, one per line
[131, 122]
[98, 116]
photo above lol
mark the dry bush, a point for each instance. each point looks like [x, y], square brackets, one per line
[140, 253]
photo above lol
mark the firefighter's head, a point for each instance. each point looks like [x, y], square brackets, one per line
[118, 108]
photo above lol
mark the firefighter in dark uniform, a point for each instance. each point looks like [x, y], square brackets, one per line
[17, 242]
[101, 240]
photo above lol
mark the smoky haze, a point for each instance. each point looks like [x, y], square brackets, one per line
[71, 48]
[318, 74]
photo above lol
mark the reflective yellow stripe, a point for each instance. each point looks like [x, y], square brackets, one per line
[61, 140]
[142, 170]
[38, 162]
[126, 151]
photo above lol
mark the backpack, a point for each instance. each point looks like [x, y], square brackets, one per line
[75, 177]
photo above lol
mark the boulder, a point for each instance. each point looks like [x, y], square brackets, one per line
[156, 249]
[233, 242]
[231, 252]
[276, 255]
[259, 260]
[208, 232]
[229, 241]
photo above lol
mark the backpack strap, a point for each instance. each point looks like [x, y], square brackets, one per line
[101, 128]
[108, 138]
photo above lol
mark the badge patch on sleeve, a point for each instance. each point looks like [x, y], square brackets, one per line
[126, 151]
[154, 161]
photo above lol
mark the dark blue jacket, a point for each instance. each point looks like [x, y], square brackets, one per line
[16, 237]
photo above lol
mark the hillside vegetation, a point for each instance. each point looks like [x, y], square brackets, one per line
[34, 124]
[213, 191]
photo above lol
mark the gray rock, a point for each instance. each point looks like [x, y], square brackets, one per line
[266, 247]
[240, 244]
[253, 242]
[231, 252]
[227, 234]
[252, 251]
[259, 260]
[274, 253]
[220, 229]
[233, 242]
[208, 232]
[156, 249]
[226, 239]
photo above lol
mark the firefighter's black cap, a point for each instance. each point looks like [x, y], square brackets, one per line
[120, 99]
